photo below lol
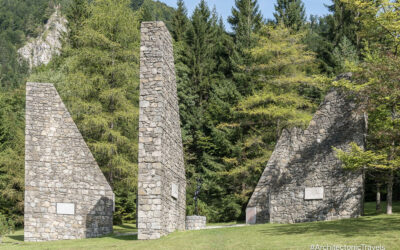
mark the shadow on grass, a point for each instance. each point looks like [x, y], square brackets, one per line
[365, 226]
[372, 224]
[123, 237]
[126, 226]
[370, 208]
[16, 237]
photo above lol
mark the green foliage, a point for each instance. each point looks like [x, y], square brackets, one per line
[12, 154]
[180, 22]
[333, 36]
[77, 13]
[291, 13]
[98, 80]
[6, 226]
[136, 4]
[357, 159]
[345, 56]
[283, 95]
[343, 23]
[318, 41]
[156, 11]
[378, 22]
[245, 20]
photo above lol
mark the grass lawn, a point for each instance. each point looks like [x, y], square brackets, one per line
[371, 229]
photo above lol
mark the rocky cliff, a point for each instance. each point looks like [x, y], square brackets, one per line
[40, 50]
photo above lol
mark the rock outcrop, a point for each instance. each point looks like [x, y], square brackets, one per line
[40, 50]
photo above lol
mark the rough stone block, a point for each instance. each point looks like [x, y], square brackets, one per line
[195, 222]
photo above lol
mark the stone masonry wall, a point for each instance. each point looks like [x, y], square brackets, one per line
[195, 222]
[306, 159]
[162, 183]
[66, 194]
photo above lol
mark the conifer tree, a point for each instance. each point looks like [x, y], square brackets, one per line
[246, 18]
[284, 96]
[291, 13]
[343, 23]
[12, 152]
[180, 22]
[345, 56]
[206, 95]
[77, 13]
[136, 4]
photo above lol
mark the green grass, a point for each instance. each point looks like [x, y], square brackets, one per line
[372, 229]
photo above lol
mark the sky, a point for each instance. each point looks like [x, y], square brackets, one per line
[313, 7]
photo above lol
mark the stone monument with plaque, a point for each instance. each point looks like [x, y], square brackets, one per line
[303, 180]
[66, 194]
[161, 181]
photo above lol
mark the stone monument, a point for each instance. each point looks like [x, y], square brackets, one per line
[66, 194]
[195, 222]
[161, 181]
[303, 180]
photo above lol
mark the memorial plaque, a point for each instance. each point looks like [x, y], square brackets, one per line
[174, 191]
[251, 215]
[314, 193]
[66, 208]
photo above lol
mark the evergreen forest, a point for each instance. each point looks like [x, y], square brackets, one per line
[238, 88]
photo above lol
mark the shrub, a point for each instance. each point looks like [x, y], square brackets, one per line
[6, 226]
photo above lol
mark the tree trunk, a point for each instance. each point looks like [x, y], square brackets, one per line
[378, 198]
[391, 171]
[389, 193]
[363, 192]
[364, 169]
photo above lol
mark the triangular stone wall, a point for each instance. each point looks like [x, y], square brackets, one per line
[66, 194]
[303, 180]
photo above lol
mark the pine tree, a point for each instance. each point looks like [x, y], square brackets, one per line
[200, 39]
[206, 96]
[318, 40]
[246, 18]
[180, 22]
[345, 56]
[284, 96]
[343, 23]
[291, 13]
[12, 152]
[77, 13]
[201, 63]
[136, 4]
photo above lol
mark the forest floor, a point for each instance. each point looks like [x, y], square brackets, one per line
[372, 229]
